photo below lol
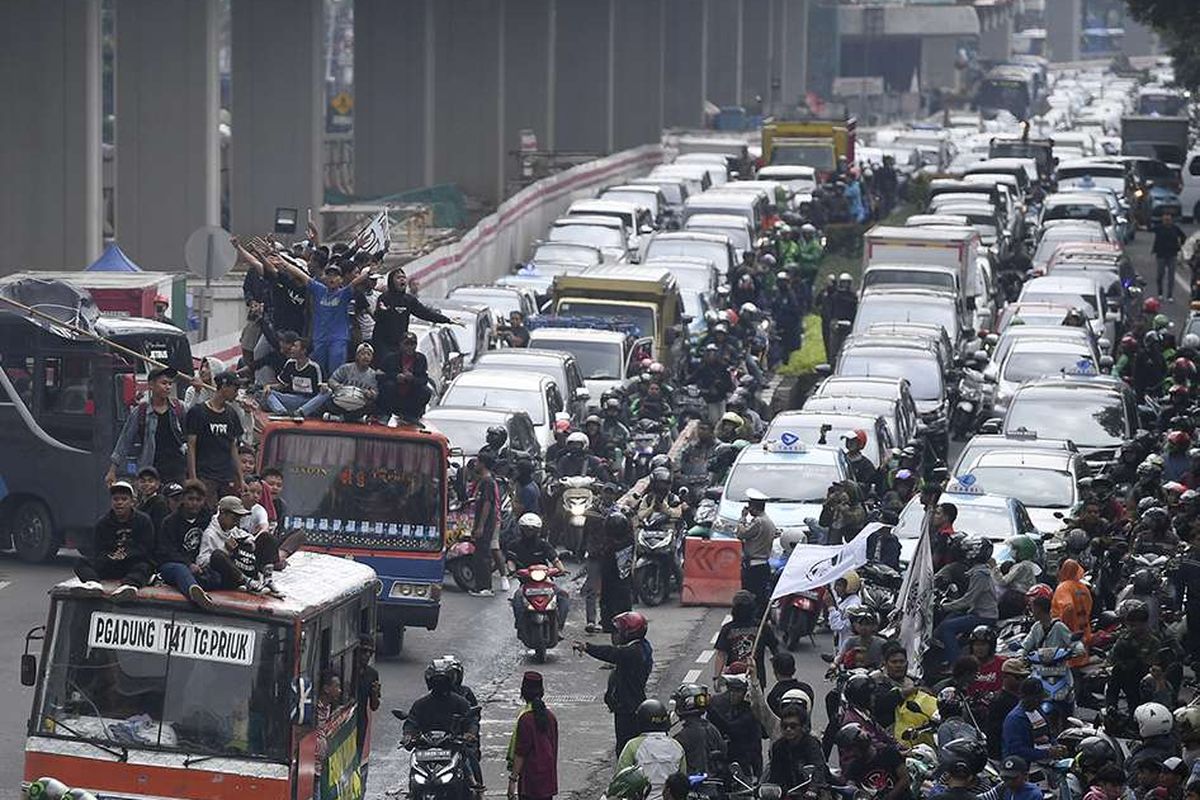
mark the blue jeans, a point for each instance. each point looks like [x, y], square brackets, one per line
[330, 354]
[951, 627]
[180, 576]
[287, 403]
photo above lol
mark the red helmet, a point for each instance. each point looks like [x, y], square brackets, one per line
[1128, 343]
[1179, 438]
[1179, 392]
[1151, 305]
[631, 625]
[1039, 590]
[1182, 364]
[859, 436]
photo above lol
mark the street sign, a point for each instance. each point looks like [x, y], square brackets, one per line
[342, 103]
[209, 253]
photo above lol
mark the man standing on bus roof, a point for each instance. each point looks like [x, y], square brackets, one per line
[213, 432]
[122, 546]
[153, 433]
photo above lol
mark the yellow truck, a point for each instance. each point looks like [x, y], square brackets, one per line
[817, 143]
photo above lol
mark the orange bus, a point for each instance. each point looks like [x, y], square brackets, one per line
[155, 699]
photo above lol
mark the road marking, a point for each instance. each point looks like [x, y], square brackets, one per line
[692, 676]
[4, 584]
[728, 619]
[705, 656]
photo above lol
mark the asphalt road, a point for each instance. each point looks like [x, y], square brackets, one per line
[480, 632]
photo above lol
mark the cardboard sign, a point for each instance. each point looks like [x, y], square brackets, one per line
[181, 637]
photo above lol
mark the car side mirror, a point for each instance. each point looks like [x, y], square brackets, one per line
[582, 393]
[28, 669]
[1105, 344]
[843, 326]
[645, 230]
[991, 426]
[823, 370]
[991, 339]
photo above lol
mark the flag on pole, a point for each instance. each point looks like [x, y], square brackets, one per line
[914, 601]
[377, 235]
[813, 565]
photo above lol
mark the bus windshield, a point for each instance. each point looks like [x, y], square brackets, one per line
[384, 491]
[157, 678]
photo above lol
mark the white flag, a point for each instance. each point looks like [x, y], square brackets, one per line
[813, 565]
[377, 235]
[914, 601]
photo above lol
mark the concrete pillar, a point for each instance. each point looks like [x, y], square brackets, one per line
[724, 51]
[167, 147]
[583, 99]
[50, 161]
[1139, 39]
[468, 104]
[278, 110]
[528, 76]
[1064, 27]
[637, 72]
[391, 59]
[793, 52]
[684, 68]
[995, 32]
[756, 52]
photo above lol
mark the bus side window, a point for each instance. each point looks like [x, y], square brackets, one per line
[67, 385]
[19, 369]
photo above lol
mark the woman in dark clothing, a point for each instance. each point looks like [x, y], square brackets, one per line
[393, 311]
[533, 746]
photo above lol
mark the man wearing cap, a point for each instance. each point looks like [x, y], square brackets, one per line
[177, 546]
[213, 432]
[1012, 673]
[121, 547]
[153, 434]
[223, 549]
[150, 501]
[161, 304]
[330, 301]
[714, 380]
[358, 374]
[1026, 732]
[1014, 785]
[757, 533]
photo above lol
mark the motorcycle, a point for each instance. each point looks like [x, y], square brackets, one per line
[438, 767]
[539, 627]
[577, 496]
[460, 561]
[880, 584]
[1049, 665]
[967, 413]
[659, 566]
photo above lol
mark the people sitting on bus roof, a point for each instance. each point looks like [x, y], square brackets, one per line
[404, 388]
[233, 555]
[263, 521]
[123, 542]
[297, 388]
[177, 546]
[144, 442]
[151, 501]
[354, 387]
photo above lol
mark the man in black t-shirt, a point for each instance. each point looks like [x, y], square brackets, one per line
[150, 500]
[121, 547]
[213, 430]
[289, 304]
[298, 387]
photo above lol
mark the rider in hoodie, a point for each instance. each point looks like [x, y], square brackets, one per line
[1072, 603]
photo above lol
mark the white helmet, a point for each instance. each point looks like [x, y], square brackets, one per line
[808, 229]
[845, 280]
[530, 520]
[580, 438]
[797, 696]
[1153, 719]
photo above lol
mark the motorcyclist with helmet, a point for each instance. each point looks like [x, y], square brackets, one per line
[959, 762]
[652, 751]
[703, 745]
[862, 757]
[1155, 727]
[1014, 578]
[659, 498]
[612, 426]
[530, 548]
[1131, 655]
[865, 647]
[976, 606]
[496, 445]
[982, 643]
[577, 462]
[714, 380]
[1176, 463]
[733, 714]
[632, 659]
[442, 709]
[1143, 587]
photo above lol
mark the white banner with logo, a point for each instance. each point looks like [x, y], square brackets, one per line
[813, 565]
[914, 601]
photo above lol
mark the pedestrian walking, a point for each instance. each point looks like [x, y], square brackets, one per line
[533, 745]
[1168, 241]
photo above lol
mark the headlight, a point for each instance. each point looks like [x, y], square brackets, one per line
[418, 777]
[446, 775]
[538, 575]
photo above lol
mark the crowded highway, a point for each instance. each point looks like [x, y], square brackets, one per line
[815, 460]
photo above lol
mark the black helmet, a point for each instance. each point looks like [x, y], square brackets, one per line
[984, 633]
[859, 690]
[1144, 582]
[1156, 517]
[660, 461]
[978, 550]
[1094, 752]
[439, 675]
[660, 475]
[1133, 610]
[852, 735]
[456, 670]
[861, 614]
[962, 758]
[691, 699]
[949, 703]
[1077, 540]
[1147, 503]
[497, 435]
[652, 715]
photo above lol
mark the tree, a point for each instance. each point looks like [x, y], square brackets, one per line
[1178, 23]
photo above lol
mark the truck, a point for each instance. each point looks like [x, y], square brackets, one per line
[817, 143]
[1161, 138]
[941, 259]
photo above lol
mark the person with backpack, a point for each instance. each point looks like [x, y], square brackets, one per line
[153, 434]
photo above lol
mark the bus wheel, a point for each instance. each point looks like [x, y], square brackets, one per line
[393, 640]
[32, 533]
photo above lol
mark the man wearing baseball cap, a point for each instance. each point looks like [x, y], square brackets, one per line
[1014, 785]
[223, 549]
[122, 545]
[1012, 673]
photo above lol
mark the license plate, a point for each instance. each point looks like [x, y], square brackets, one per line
[433, 755]
[538, 592]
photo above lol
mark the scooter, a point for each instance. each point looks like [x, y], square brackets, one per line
[1049, 665]
[539, 626]
[438, 769]
[578, 494]
[659, 566]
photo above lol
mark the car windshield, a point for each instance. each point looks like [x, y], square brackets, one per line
[1086, 418]
[595, 235]
[1012, 96]
[921, 370]
[641, 316]
[1084, 302]
[818, 156]
[527, 400]
[1083, 178]
[647, 199]
[596, 360]
[1079, 211]
[993, 522]
[782, 482]
[167, 679]
[563, 252]
[1026, 364]
[501, 303]
[1052, 239]
[1163, 105]
[346, 482]
[468, 435]
[1154, 170]
[888, 309]
[881, 276]
[1036, 488]
[715, 252]
[739, 236]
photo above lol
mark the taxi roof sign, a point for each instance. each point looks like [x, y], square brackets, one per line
[787, 442]
[1083, 366]
[965, 484]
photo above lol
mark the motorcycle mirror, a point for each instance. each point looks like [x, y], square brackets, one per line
[399, 713]
[914, 706]
[827, 658]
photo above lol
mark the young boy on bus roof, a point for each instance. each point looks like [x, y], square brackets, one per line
[177, 546]
[124, 539]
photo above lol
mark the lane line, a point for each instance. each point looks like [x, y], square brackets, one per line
[691, 676]
[705, 656]
[4, 584]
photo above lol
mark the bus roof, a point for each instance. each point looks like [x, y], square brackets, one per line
[312, 581]
[316, 426]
